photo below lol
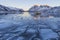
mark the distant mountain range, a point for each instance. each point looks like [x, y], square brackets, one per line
[4, 9]
[46, 10]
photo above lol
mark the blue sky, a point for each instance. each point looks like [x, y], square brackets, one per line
[26, 4]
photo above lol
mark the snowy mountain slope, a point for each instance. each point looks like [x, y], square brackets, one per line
[38, 8]
[4, 10]
[46, 11]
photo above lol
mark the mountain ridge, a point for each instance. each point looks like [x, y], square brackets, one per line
[46, 10]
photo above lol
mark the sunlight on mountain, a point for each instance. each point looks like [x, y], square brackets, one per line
[37, 4]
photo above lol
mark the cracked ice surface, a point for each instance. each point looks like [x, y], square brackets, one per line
[22, 27]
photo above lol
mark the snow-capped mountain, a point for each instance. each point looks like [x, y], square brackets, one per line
[4, 9]
[46, 11]
[38, 8]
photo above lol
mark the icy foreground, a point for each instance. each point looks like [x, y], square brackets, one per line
[22, 27]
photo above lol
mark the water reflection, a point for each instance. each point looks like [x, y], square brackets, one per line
[26, 14]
